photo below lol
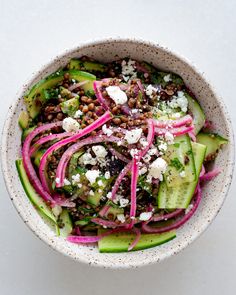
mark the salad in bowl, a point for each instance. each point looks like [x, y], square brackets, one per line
[115, 153]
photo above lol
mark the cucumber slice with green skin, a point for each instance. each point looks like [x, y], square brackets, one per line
[23, 120]
[119, 242]
[196, 111]
[35, 98]
[83, 221]
[70, 106]
[181, 195]
[35, 198]
[213, 142]
[90, 66]
[179, 158]
[26, 132]
[37, 157]
[67, 223]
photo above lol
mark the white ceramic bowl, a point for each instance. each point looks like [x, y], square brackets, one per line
[214, 192]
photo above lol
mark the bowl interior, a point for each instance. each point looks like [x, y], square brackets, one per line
[213, 192]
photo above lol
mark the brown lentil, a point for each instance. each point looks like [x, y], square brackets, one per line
[91, 106]
[116, 121]
[85, 109]
[124, 119]
[60, 116]
[66, 76]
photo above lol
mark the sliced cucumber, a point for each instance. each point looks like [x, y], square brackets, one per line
[196, 111]
[35, 199]
[119, 242]
[179, 158]
[26, 132]
[90, 66]
[35, 98]
[181, 195]
[23, 120]
[70, 106]
[213, 143]
[67, 223]
[37, 157]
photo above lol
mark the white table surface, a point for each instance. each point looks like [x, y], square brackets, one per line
[31, 32]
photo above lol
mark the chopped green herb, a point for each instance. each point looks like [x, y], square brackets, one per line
[177, 164]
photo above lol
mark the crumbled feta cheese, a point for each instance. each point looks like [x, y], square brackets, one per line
[78, 114]
[66, 182]
[147, 158]
[169, 137]
[107, 175]
[75, 178]
[133, 136]
[134, 153]
[150, 90]
[152, 151]
[182, 174]
[109, 195]
[87, 159]
[119, 142]
[143, 170]
[123, 202]
[143, 142]
[91, 193]
[92, 175]
[79, 185]
[100, 183]
[162, 146]
[70, 125]
[121, 217]
[144, 216]
[190, 207]
[157, 168]
[128, 70]
[100, 191]
[117, 94]
[99, 151]
[167, 78]
[179, 101]
[107, 131]
[57, 180]
[176, 115]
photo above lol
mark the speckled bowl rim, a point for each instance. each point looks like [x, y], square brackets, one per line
[39, 233]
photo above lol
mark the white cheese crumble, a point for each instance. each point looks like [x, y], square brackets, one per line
[123, 202]
[66, 182]
[133, 136]
[167, 78]
[190, 207]
[87, 159]
[144, 216]
[162, 146]
[109, 195]
[92, 175]
[75, 178]
[179, 101]
[70, 125]
[143, 142]
[99, 151]
[182, 174]
[57, 180]
[107, 175]
[157, 168]
[117, 94]
[143, 170]
[169, 137]
[150, 90]
[128, 70]
[107, 131]
[91, 193]
[100, 183]
[134, 152]
[78, 114]
[121, 217]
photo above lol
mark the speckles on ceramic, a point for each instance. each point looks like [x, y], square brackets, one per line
[214, 192]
